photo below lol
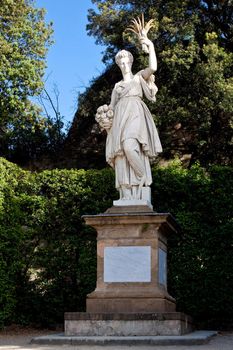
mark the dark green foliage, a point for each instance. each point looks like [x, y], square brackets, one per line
[29, 143]
[193, 42]
[25, 134]
[24, 41]
[200, 260]
[48, 255]
[88, 151]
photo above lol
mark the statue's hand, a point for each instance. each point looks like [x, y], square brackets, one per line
[145, 42]
[106, 124]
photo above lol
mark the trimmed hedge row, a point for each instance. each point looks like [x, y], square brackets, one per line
[48, 255]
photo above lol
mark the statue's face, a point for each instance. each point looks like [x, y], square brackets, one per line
[125, 65]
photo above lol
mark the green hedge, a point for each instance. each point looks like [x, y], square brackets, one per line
[48, 255]
[201, 258]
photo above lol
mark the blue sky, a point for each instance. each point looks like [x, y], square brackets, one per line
[74, 58]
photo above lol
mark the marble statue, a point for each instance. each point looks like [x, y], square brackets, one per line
[132, 138]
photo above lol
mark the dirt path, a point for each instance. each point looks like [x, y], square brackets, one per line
[16, 337]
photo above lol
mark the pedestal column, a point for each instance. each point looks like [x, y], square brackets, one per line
[131, 263]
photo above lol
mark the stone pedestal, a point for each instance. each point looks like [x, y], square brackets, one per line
[131, 262]
[131, 296]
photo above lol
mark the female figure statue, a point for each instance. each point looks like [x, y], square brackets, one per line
[132, 139]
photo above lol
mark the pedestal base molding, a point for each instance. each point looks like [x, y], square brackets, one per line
[130, 305]
[126, 324]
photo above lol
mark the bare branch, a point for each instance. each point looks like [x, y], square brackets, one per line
[51, 102]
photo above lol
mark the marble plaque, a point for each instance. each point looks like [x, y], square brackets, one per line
[127, 264]
[162, 267]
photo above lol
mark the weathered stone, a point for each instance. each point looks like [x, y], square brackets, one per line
[194, 338]
[132, 324]
[132, 231]
[130, 299]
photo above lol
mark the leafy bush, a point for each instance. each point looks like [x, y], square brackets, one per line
[200, 259]
[47, 251]
[48, 255]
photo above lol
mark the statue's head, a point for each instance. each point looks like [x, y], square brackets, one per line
[124, 60]
[122, 54]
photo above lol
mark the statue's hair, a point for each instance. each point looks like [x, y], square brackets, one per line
[121, 54]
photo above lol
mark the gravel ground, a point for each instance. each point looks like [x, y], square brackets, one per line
[19, 339]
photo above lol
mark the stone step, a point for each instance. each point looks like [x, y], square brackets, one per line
[194, 338]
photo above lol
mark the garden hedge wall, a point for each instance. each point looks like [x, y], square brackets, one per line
[48, 254]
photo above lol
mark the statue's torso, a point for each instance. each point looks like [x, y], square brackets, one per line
[130, 88]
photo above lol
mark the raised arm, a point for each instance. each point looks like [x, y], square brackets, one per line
[152, 58]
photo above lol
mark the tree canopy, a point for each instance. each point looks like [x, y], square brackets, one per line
[176, 21]
[24, 41]
[193, 40]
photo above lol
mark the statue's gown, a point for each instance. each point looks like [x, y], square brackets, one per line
[132, 120]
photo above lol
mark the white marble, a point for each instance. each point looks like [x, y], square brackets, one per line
[162, 267]
[145, 199]
[134, 202]
[132, 138]
[127, 264]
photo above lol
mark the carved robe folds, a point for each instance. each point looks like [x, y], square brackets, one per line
[132, 121]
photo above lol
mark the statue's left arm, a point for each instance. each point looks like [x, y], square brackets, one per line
[146, 73]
